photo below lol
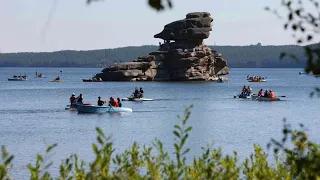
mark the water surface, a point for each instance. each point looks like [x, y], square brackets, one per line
[32, 113]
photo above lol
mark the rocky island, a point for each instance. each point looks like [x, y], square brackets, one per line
[182, 57]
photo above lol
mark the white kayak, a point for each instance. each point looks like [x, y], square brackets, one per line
[89, 108]
[261, 98]
[136, 99]
[68, 107]
[242, 97]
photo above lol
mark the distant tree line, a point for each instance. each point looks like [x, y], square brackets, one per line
[253, 56]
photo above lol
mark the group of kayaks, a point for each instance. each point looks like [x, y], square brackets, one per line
[256, 78]
[91, 108]
[38, 75]
[255, 97]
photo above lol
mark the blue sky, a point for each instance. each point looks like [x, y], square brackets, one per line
[119, 23]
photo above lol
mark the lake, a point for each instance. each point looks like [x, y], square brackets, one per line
[32, 114]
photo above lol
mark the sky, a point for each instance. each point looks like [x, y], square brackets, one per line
[26, 25]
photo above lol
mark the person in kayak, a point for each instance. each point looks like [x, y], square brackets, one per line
[100, 102]
[272, 95]
[266, 93]
[244, 91]
[73, 100]
[119, 102]
[80, 99]
[136, 93]
[112, 102]
[260, 93]
[249, 89]
[141, 92]
[57, 78]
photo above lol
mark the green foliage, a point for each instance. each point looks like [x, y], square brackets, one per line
[5, 164]
[237, 56]
[304, 24]
[300, 159]
[303, 21]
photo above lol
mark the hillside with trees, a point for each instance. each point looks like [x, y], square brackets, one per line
[253, 56]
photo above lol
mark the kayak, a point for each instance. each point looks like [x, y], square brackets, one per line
[17, 79]
[56, 80]
[242, 97]
[260, 80]
[136, 99]
[101, 109]
[260, 98]
[68, 107]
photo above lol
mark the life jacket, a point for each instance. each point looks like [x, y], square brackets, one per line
[114, 103]
[72, 99]
[272, 95]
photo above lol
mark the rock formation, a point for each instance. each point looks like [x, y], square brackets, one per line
[181, 57]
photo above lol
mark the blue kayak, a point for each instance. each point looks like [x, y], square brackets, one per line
[101, 109]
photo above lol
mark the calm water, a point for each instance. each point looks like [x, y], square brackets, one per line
[32, 113]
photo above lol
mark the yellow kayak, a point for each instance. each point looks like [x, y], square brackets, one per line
[56, 80]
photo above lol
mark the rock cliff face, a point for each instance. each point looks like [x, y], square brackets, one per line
[181, 57]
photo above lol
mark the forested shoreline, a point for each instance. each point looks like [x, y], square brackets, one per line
[253, 56]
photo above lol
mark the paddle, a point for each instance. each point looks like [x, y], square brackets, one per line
[281, 96]
[257, 98]
[111, 107]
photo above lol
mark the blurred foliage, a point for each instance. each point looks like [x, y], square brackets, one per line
[295, 157]
[303, 21]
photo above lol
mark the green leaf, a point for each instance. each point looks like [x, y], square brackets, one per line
[51, 147]
[100, 131]
[8, 161]
[290, 16]
[95, 148]
[176, 134]
[294, 27]
[176, 147]
[177, 127]
[188, 129]
[186, 151]
[183, 140]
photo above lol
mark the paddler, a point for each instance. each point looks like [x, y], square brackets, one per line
[266, 93]
[136, 93]
[100, 102]
[272, 95]
[260, 93]
[141, 92]
[112, 102]
[73, 99]
[80, 99]
[119, 102]
[248, 91]
[244, 90]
